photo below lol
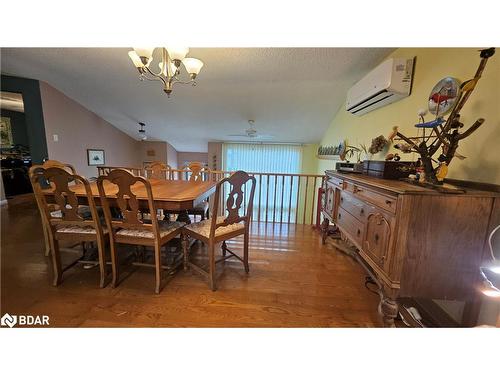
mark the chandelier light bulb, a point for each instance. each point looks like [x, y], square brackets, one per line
[177, 53]
[136, 60]
[193, 66]
[145, 53]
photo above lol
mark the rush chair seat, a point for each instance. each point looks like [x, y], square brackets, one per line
[218, 229]
[71, 224]
[131, 228]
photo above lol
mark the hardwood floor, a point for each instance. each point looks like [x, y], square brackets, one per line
[294, 281]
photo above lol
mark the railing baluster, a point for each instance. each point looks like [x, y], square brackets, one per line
[298, 200]
[282, 196]
[275, 192]
[260, 193]
[290, 199]
[267, 196]
[305, 200]
[313, 205]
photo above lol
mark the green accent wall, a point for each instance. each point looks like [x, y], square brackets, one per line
[35, 127]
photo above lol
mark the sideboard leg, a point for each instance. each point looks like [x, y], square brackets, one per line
[388, 308]
[325, 225]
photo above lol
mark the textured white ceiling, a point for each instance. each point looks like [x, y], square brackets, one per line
[291, 93]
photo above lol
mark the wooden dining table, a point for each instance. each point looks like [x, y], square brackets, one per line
[171, 195]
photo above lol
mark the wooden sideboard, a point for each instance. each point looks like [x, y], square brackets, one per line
[414, 241]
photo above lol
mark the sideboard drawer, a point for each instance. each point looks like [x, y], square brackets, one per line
[385, 202]
[354, 206]
[353, 228]
[338, 183]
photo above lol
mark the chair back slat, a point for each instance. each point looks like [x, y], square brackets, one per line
[234, 201]
[126, 201]
[59, 186]
[196, 171]
[57, 164]
[158, 170]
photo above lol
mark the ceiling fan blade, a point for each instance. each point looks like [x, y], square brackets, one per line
[265, 136]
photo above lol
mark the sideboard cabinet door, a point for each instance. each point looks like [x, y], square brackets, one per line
[377, 238]
[330, 200]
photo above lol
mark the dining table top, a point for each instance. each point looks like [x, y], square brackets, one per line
[167, 194]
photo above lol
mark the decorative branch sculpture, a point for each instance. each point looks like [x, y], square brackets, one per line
[446, 133]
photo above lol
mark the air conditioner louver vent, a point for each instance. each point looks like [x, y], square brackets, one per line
[387, 83]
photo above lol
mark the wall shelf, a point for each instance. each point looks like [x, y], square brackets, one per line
[328, 157]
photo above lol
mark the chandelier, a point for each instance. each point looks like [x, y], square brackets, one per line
[170, 66]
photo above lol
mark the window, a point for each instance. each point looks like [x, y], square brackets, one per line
[275, 192]
[267, 158]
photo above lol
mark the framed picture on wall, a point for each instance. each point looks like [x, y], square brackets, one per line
[95, 157]
[6, 132]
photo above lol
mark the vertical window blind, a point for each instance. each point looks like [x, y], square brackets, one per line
[271, 160]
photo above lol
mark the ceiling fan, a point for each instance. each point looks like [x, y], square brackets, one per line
[251, 133]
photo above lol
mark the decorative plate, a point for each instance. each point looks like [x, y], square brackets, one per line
[444, 96]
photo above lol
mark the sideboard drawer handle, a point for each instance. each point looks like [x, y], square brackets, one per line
[339, 216]
[362, 211]
[359, 232]
[388, 202]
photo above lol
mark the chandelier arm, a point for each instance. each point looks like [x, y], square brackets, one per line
[143, 76]
[158, 76]
[184, 82]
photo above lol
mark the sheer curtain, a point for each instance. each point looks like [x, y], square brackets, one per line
[277, 194]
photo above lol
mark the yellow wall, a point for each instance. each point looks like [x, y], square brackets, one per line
[309, 160]
[432, 64]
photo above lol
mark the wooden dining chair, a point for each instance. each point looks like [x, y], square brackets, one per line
[196, 171]
[57, 164]
[159, 170]
[71, 225]
[43, 184]
[221, 228]
[132, 229]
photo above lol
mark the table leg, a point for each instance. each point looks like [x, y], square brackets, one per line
[184, 217]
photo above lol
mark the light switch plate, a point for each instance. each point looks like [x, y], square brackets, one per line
[55, 137]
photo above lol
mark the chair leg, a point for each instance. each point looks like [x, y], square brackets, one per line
[114, 264]
[224, 248]
[47, 241]
[185, 249]
[211, 259]
[158, 268]
[102, 261]
[56, 261]
[245, 252]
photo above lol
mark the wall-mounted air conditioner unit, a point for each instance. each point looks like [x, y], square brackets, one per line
[387, 83]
